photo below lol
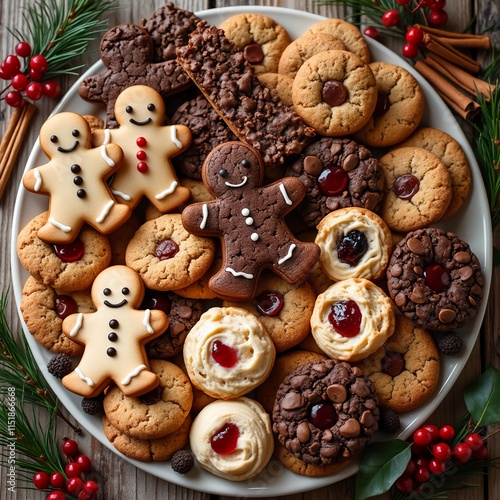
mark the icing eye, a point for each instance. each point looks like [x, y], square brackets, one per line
[246, 163]
[106, 291]
[151, 107]
[53, 138]
[129, 109]
[223, 172]
[125, 291]
[75, 133]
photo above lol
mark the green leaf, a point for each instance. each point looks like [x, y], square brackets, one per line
[380, 466]
[482, 398]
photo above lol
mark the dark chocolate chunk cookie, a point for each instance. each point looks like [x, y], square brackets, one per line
[325, 412]
[337, 173]
[435, 279]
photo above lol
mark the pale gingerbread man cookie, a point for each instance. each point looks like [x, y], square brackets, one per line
[148, 146]
[114, 337]
[75, 179]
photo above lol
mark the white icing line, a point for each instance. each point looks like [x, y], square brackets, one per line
[105, 211]
[105, 156]
[173, 136]
[121, 194]
[60, 225]
[168, 191]
[146, 321]
[107, 136]
[204, 209]
[133, 374]
[78, 325]
[242, 183]
[285, 194]
[89, 381]
[289, 254]
[239, 273]
[38, 178]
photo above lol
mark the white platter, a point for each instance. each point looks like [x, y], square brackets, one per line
[471, 223]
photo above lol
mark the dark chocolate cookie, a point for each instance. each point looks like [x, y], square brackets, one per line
[337, 173]
[435, 279]
[325, 412]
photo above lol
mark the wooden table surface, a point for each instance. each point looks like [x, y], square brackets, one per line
[120, 480]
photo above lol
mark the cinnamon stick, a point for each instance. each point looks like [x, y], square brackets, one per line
[465, 114]
[12, 141]
[482, 42]
[453, 35]
[451, 54]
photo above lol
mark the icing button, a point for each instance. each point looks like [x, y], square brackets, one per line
[254, 237]
[245, 212]
[248, 221]
[111, 352]
[112, 337]
[81, 193]
[78, 180]
[141, 142]
[75, 168]
[113, 323]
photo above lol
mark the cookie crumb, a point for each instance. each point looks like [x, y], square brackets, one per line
[60, 365]
[182, 461]
[93, 406]
[389, 420]
[450, 344]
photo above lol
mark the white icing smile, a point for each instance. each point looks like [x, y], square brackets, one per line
[242, 183]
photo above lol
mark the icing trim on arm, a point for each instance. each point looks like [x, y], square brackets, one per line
[248, 276]
[133, 374]
[173, 137]
[38, 179]
[79, 322]
[60, 225]
[105, 156]
[146, 321]
[105, 211]
[291, 248]
[89, 381]
[167, 191]
[204, 209]
[288, 201]
[121, 194]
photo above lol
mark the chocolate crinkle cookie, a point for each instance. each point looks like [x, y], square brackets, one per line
[337, 173]
[325, 412]
[435, 279]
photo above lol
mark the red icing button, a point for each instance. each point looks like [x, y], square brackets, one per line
[156, 300]
[141, 142]
[323, 416]
[223, 354]
[70, 252]
[65, 305]
[166, 249]
[269, 303]
[406, 186]
[332, 181]
[224, 441]
[436, 277]
[345, 317]
[141, 154]
[142, 166]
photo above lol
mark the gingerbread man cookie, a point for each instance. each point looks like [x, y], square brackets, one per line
[114, 337]
[248, 218]
[127, 51]
[74, 178]
[147, 146]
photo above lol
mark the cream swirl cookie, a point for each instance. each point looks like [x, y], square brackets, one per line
[232, 439]
[352, 319]
[354, 243]
[228, 352]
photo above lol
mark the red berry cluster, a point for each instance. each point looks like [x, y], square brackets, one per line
[71, 481]
[432, 453]
[29, 81]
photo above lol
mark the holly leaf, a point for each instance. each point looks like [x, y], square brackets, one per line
[482, 398]
[380, 466]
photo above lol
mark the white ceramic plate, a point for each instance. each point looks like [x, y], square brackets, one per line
[472, 224]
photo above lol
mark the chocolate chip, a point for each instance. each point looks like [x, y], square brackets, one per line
[336, 148]
[327, 435]
[303, 432]
[465, 273]
[462, 257]
[350, 429]
[418, 295]
[334, 93]
[393, 363]
[291, 401]
[383, 104]
[360, 388]
[418, 270]
[313, 165]
[253, 53]
[367, 419]
[314, 448]
[400, 299]
[185, 312]
[350, 163]
[447, 315]
[337, 393]
[472, 301]
[396, 270]
[416, 246]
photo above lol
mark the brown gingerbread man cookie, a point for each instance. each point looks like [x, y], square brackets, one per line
[248, 218]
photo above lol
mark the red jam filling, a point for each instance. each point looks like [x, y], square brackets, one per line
[345, 318]
[323, 416]
[393, 363]
[224, 441]
[352, 247]
[269, 303]
[70, 252]
[332, 181]
[166, 249]
[436, 277]
[334, 93]
[383, 104]
[406, 186]
[223, 354]
[156, 300]
[65, 305]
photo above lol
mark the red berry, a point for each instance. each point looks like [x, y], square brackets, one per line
[414, 35]
[475, 441]
[34, 91]
[390, 18]
[41, 480]
[57, 480]
[84, 462]
[70, 447]
[371, 32]
[3, 74]
[56, 495]
[14, 98]
[11, 64]
[442, 452]
[434, 432]
[19, 81]
[481, 453]
[437, 4]
[422, 474]
[83, 495]
[417, 451]
[73, 469]
[422, 437]
[410, 50]
[23, 49]
[404, 483]
[447, 432]
[436, 466]
[437, 17]
[51, 89]
[91, 487]
[403, 2]
[462, 452]
[74, 485]
[411, 467]
[39, 63]
[422, 462]
[35, 75]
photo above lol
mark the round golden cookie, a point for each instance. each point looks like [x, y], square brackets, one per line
[418, 189]
[148, 450]
[449, 151]
[354, 243]
[44, 309]
[280, 85]
[400, 107]
[166, 256]
[308, 45]
[335, 93]
[352, 319]
[346, 32]
[157, 413]
[200, 289]
[260, 38]
[405, 370]
[284, 309]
